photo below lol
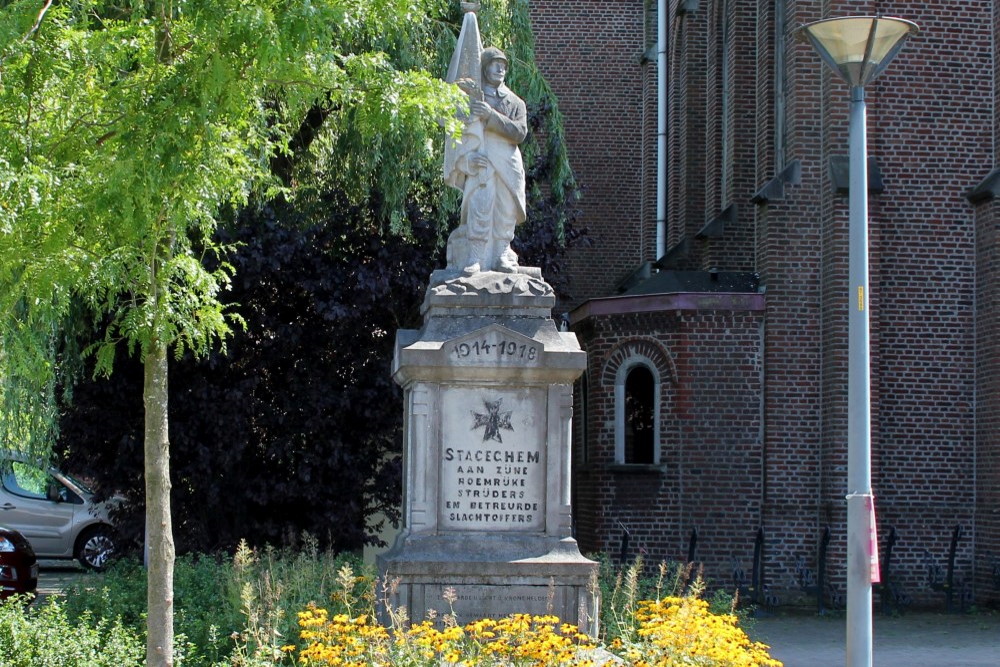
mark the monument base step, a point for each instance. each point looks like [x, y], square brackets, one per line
[433, 576]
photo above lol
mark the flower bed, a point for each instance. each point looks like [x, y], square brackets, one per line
[254, 611]
[671, 631]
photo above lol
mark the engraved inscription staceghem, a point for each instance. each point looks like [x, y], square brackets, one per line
[493, 473]
[492, 421]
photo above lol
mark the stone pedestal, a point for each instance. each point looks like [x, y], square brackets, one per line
[488, 403]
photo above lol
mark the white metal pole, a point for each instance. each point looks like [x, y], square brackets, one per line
[859, 587]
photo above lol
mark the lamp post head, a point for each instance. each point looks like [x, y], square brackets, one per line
[858, 48]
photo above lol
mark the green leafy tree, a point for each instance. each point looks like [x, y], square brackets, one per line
[311, 421]
[125, 129]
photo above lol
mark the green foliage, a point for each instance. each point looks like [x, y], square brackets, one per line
[125, 131]
[311, 423]
[622, 588]
[46, 636]
[125, 136]
[369, 143]
[225, 608]
[29, 414]
[199, 594]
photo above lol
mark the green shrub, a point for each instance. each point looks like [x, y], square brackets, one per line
[204, 617]
[46, 637]
[621, 588]
[274, 585]
[225, 609]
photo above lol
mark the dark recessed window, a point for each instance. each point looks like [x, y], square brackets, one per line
[640, 416]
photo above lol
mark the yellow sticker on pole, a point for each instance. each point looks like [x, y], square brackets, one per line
[861, 297]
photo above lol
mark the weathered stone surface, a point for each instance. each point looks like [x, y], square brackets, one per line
[488, 401]
[527, 282]
[498, 483]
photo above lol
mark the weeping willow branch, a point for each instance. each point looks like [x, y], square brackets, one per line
[38, 21]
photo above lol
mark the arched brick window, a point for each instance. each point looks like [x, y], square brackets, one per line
[639, 370]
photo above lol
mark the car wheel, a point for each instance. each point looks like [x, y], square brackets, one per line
[95, 547]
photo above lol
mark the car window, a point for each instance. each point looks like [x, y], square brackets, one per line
[26, 480]
[80, 485]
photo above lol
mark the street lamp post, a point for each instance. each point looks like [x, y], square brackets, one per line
[859, 48]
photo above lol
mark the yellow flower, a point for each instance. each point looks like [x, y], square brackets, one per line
[667, 632]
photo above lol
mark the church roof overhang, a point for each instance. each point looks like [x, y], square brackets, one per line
[654, 303]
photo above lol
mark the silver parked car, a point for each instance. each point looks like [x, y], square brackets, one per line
[55, 513]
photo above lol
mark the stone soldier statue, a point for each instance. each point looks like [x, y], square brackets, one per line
[485, 164]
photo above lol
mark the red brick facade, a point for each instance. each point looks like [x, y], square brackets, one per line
[708, 477]
[752, 400]
[600, 84]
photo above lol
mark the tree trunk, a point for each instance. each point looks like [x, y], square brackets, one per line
[159, 531]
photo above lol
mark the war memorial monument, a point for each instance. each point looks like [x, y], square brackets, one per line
[488, 396]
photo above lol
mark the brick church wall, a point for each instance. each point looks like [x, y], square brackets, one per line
[988, 375]
[921, 299]
[931, 148]
[932, 124]
[709, 474]
[987, 469]
[591, 51]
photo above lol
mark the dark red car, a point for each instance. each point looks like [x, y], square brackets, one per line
[18, 566]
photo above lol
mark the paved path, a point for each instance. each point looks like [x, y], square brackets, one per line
[912, 640]
[55, 575]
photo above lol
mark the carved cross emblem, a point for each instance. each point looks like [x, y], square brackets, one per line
[493, 420]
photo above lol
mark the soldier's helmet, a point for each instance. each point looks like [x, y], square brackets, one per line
[490, 54]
